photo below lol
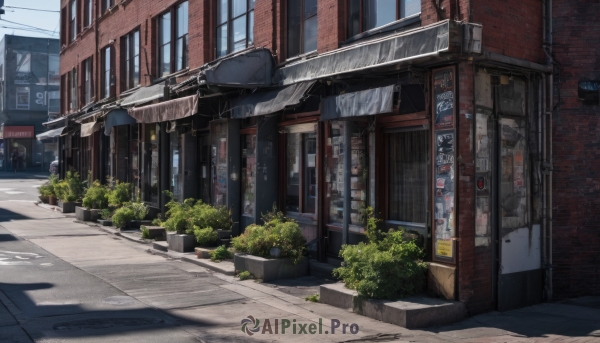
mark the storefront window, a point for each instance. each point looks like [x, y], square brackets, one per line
[359, 175]
[134, 155]
[219, 163]
[176, 162]
[248, 174]
[334, 173]
[152, 146]
[301, 151]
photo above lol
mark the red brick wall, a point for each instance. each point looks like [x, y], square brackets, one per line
[332, 25]
[576, 176]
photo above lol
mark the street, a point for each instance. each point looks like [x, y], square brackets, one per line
[63, 281]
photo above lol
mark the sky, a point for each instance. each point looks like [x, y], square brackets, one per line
[18, 18]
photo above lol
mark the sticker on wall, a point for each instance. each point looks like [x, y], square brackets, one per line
[444, 198]
[443, 98]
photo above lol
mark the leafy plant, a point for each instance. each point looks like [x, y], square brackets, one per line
[70, 189]
[140, 210]
[279, 232]
[157, 221]
[96, 196]
[244, 275]
[145, 232]
[47, 189]
[62, 190]
[120, 194]
[106, 214]
[206, 237]
[220, 254]
[315, 298]
[189, 215]
[123, 216]
[388, 266]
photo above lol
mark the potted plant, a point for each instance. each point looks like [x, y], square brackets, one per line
[272, 251]
[105, 217]
[140, 211]
[95, 200]
[69, 191]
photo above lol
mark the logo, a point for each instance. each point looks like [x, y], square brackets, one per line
[250, 320]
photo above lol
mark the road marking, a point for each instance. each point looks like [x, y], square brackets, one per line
[14, 192]
[36, 186]
[46, 264]
[6, 189]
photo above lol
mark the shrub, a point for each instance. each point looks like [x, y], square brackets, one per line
[187, 216]
[206, 237]
[70, 189]
[96, 196]
[120, 194]
[106, 214]
[145, 232]
[62, 190]
[220, 254]
[157, 221]
[123, 216]
[315, 298]
[388, 266]
[279, 232]
[140, 210]
[45, 190]
[244, 275]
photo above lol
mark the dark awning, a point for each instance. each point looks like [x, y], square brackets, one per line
[89, 128]
[166, 111]
[249, 69]
[117, 118]
[269, 101]
[405, 46]
[363, 103]
[144, 94]
[54, 133]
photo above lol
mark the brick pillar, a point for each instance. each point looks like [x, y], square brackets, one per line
[331, 22]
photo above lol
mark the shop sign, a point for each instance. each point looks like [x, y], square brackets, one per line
[18, 132]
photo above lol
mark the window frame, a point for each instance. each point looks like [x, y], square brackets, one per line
[302, 48]
[183, 37]
[107, 51]
[88, 18]
[72, 20]
[74, 90]
[107, 5]
[229, 25]
[128, 59]
[173, 39]
[361, 23]
[88, 80]
[22, 88]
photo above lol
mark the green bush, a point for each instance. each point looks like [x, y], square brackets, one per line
[123, 216]
[106, 214]
[387, 267]
[220, 254]
[279, 232]
[62, 190]
[187, 216]
[120, 194]
[96, 196]
[315, 298]
[206, 237]
[70, 189]
[145, 232]
[244, 275]
[140, 210]
[46, 190]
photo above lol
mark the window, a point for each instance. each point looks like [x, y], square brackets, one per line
[87, 79]
[181, 36]
[302, 27]
[22, 98]
[73, 21]
[23, 72]
[54, 101]
[235, 25]
[107, 4]
[74, 92]
[368, 14]
[301, 156]
[53, 69]
[107, 72]
[87, 16]
[131, 60]
[169, 33]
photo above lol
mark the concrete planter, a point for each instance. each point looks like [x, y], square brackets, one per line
[136, 224]
[52, 200]
[270, 269]
[105, 222]
[412, 313]
[68, 207]
[204, 252]
[85, 215]
[156, 232]
[44, 198]
[181, 243]
[224, 234]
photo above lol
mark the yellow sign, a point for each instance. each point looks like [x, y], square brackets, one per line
[444, 248]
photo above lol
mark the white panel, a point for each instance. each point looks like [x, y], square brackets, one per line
[521, 251]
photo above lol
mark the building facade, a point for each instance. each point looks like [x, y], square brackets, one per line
[29, 96]
[438, 114]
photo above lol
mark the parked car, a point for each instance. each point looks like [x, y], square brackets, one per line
[54, 167]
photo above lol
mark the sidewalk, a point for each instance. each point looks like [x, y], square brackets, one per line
[221, 301]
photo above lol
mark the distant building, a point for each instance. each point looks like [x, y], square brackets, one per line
[29, 96]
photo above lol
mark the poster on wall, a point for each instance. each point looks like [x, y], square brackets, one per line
[443, 98]
[444, 199]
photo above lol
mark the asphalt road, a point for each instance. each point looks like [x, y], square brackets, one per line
[64, 281]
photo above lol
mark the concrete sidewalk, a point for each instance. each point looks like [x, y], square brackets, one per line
[211, 306]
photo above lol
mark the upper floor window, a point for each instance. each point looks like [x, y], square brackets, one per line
[107, 72]
[131, 60]
[170, 31]
[106, 4]
[87, 9]
[368, 14]
[302, 27]
[73, 21]
[87, 80]
[235, 25]
[73, 82]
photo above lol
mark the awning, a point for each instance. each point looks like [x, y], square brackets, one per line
[166, 111]
[363, 103]
[54, 133]
[405, 46]
[117, 118]
[269, 101]
[88, 128]
[145, 94]
[249, 69]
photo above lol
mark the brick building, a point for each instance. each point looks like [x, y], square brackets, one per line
[436, 113]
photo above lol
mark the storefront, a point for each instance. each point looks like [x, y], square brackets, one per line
[21, 151]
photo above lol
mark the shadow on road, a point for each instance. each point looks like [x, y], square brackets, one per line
[7, 238]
